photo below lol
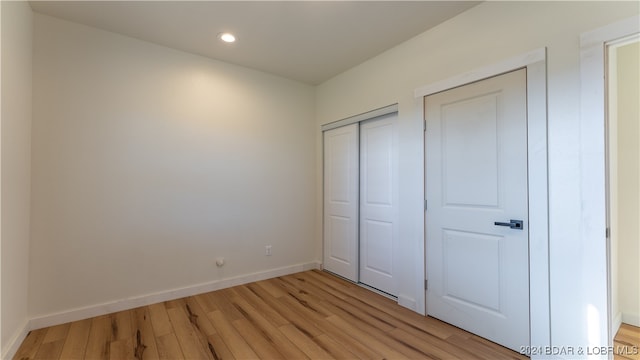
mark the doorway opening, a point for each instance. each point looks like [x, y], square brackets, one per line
[623, 180]
[595, 150]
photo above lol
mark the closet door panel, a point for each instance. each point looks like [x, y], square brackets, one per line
[378, 203]
[341, 165]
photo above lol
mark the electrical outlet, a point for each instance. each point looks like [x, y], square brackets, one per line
[267, 250]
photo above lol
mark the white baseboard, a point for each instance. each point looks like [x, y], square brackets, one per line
[616, 322]
[14, 343]
[631, 319]
[144, 300]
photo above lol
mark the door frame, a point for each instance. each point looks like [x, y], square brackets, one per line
[535, 63]
[593, 137]
[616, 318]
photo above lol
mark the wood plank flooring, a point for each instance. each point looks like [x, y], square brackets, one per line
[626, 344]
[309, 315]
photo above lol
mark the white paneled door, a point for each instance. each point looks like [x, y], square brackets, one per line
[477, 214]
[378, 203]
[341, 201]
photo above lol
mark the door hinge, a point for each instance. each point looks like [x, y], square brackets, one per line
[607, 233]
[426, 284]
[425, 204]
[424, 125]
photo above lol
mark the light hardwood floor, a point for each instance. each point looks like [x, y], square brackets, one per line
[626, 344]
[309, 315]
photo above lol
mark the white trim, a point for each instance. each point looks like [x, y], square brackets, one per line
[510, 64]
[617, 321]
[624, 41]
[539, 282]
[630, 319]
[599, 36]
[14, 343]
[131, 303]
[537, 148]
[386, 110]
[592, 167]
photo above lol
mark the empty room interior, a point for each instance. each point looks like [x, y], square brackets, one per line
[343, 179]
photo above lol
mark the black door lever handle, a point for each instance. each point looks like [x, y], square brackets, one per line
[513, 224]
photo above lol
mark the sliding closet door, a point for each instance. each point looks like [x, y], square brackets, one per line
[341, 201]
[378, 203]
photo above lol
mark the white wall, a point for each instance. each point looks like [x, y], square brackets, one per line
[486, 34]
[628, 181]
[17, 22]
[148, 163]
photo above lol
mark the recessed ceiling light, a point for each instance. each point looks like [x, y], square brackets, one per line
[227, 37]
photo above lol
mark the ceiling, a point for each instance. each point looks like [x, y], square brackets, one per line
[307, 41]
